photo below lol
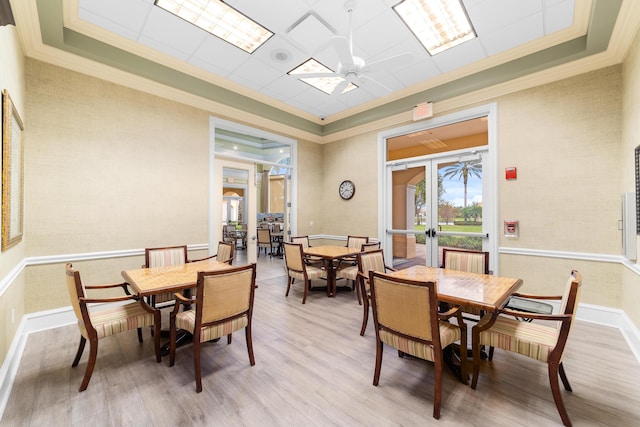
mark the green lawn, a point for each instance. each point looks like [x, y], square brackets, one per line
[464, 228]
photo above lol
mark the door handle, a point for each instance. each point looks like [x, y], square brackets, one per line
[431, 232]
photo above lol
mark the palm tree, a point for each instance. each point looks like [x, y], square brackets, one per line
[463, 170]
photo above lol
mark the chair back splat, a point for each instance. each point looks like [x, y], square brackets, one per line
[544, 340]
[368, 260]
[111, 318]
[405, 315]
[297, 268]
[223, 305]
[164, 257]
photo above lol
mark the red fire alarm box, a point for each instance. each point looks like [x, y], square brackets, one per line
[511, 173]
[511, 228]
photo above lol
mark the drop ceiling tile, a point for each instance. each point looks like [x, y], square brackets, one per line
[111, 12]
[285, 87]
[263, 12]
[463, 54]
[421, 70]
[514, 35]
[108, 25]
[381, 33]
[559, 16]
[274, 52]
[220, 54]
[491, 15]
[257, 72]
[172, 32]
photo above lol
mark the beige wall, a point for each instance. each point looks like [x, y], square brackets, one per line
[108, 168]
[356, 160]
[12, 306]
[564, 138]
[630, 140]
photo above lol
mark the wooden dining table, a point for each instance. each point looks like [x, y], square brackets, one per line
[147, 282]
[482, 291]
[330, 254]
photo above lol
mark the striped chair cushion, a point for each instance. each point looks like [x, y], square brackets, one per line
[529, 339]
[349, 273]
[118, 319]
[164, 257]
[449, 334]
[187, 320]
[312, 273]
[464, 261]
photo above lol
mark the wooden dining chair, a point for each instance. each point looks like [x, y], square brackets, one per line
[265, 241]
[470, 261]
[225, 253]
[111, 318]
[223, 305]
[297, 268]
[371, 260]
[355, 242]
[349, 272]
[308, 259]
[544, 340]
[163, 257]
[405, 315]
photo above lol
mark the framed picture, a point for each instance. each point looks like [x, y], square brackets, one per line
[637, 157]
[12, 173]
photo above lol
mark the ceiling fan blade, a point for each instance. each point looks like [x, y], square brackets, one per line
[340, 88]
[343, 49]
[390, 62]
[314, 75]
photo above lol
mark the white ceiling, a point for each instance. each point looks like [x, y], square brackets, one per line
[503, 28]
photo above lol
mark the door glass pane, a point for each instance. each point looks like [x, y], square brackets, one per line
[410, 212]
[460, 204]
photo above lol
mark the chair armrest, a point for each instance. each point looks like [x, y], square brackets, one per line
[556, 317]
[390, 268]
[180, 301]
[85, 300]
[202, 259]
[449, 313]
[529, 296]
[124, 286]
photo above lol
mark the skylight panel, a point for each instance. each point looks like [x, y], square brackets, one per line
[438, 24]
[221, 20]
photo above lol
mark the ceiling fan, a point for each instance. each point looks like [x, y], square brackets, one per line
[353, 69]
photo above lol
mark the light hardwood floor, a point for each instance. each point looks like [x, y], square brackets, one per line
[312, 368]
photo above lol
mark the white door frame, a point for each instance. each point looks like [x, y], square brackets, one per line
[215, 230]
[489, 179]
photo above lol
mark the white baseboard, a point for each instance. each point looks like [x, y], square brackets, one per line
[50, 319]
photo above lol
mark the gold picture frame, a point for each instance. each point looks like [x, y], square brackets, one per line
[12, 173]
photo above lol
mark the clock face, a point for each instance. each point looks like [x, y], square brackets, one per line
[346, 190]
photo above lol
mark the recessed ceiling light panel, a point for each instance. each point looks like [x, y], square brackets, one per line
[437, 24]
[325, 84]
[221, 20]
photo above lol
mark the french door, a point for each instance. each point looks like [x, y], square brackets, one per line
[436, 202]
[242, 178]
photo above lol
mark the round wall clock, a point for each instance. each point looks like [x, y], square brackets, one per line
[346, 189]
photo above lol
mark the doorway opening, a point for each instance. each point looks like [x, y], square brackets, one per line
[270, 160]
[438, 182]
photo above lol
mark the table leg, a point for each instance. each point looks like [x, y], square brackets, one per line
[331, 278]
